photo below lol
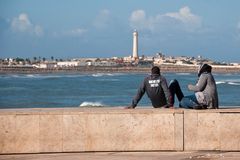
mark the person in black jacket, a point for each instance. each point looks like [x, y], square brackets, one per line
[155, 85]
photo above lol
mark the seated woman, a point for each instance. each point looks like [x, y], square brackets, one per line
[205, 96]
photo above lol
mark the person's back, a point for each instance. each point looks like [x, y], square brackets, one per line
[155, 85]
[155, 91]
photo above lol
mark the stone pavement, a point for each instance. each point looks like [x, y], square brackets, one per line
[199, 155]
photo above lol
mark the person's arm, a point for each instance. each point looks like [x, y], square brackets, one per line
[201, 84]
[166, 91]
[138, 96]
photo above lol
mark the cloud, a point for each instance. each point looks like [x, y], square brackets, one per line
[139, 20]
[102, 19]
[184, 15]
[23, 24]
[184, 19]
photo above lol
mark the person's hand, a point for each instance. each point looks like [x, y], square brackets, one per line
[190, 86]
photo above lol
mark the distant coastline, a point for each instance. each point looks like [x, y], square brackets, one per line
[130, 69]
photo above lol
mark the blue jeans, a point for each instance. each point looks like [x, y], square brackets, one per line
[189, 102]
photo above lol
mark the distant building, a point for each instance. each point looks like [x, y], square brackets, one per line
[46, 65]
[101, 62]
[127, 59]
[68, 64]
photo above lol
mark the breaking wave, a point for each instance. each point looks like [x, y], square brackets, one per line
[220, 82]
[92, 104]
[183, 74]
[229, 83]
[106, 74]
[234, 83]
[42, 76]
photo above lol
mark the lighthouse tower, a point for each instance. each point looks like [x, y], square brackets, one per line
[135, 45]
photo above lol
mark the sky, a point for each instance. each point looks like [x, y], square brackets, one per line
[103, 28]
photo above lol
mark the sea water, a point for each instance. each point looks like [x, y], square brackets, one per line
[98, 89]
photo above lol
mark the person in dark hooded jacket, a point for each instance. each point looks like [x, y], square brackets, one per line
[155, 85]
[205, 95]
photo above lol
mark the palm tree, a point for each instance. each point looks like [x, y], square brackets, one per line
[52, 58]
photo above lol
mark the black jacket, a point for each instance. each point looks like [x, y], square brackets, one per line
[157, 90]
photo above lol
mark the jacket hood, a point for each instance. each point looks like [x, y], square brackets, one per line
[205, 68]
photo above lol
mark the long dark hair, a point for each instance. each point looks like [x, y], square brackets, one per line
[205, 68]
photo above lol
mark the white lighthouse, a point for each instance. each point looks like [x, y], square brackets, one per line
[135, 45]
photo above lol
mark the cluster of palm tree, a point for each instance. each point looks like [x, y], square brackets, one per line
[34, 60]
[43, 59]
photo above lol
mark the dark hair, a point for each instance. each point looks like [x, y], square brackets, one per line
[155, 70]
[204, 68]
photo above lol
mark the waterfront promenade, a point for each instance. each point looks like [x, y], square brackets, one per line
[199, 155]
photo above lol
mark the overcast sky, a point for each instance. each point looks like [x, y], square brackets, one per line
[103, 28]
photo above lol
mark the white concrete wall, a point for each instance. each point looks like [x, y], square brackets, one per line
[67, 130]
[212, 129]
[117, 129]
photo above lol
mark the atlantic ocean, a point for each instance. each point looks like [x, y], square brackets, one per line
[57, 90]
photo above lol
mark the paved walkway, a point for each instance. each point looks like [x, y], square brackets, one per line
[126, 156]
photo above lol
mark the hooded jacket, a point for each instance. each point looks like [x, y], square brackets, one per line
[155, 85]
[206, 89]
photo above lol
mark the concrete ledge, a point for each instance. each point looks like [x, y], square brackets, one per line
[212, 129]
[117, 129]
[105, 129]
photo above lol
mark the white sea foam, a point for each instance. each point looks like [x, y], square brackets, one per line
[91, 104]
[220, 82]
[234, 83]
[15, 76]
[97, 75]
[183, 73]
[51, 76]
[106, 74]
[32, 76]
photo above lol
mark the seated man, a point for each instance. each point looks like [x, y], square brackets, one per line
[155, 85]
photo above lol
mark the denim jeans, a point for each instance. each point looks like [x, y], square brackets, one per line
[189, 102]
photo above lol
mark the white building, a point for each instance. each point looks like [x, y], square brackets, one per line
[46, 65]
[101, 63]
[68, 64]
[127, 59]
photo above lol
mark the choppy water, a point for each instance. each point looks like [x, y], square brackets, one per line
[100, 89]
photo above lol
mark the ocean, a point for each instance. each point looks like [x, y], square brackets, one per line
[99, 89]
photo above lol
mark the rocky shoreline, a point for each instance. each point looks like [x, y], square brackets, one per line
[131, 69]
